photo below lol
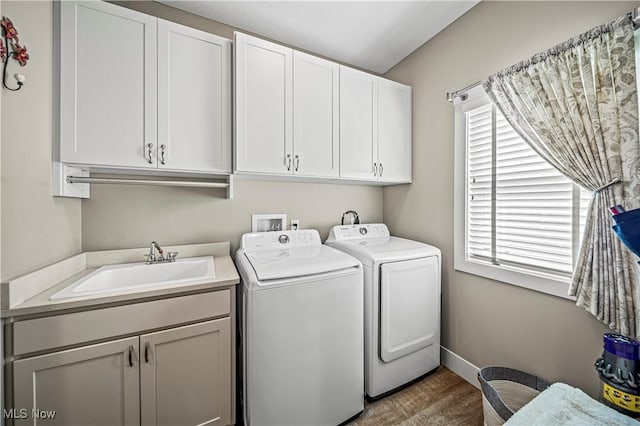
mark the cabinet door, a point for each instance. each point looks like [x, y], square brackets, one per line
[315, 111]
[263, 97]
[186, 375]
[91, 385]
[394, 131]
[358, 99]
[108, 75]
[194, 99]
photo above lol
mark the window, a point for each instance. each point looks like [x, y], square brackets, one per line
[517, 219]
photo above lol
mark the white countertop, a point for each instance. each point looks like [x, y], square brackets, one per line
[29, 294]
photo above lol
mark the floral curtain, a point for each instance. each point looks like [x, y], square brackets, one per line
[577, 106]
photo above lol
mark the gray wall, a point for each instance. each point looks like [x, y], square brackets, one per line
[485, 321]
[37, 229]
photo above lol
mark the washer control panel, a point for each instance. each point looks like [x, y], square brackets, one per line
[280, 239]
[358, 232]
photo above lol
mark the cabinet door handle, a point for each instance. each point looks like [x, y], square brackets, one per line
[381, 169]
[162, 148]
[375, 169]
[149, 152]
[130, 355]
[146, 352]
[288, 161]
[297, 162]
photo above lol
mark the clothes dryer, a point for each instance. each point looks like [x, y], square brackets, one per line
[401, 304]
[302, 330]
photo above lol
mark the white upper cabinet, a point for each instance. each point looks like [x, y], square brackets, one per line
[316, 114]
[135, 90]
[287, 106]
[194, 99]
[108, 72]
[263, 85]
[375, 128]
[358, 130]
[394, 131]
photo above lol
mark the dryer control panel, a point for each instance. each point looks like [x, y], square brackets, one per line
[280, 240]
[358, 232]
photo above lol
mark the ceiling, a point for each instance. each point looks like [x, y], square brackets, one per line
[374, 35]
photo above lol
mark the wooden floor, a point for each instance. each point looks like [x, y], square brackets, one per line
[442, 398]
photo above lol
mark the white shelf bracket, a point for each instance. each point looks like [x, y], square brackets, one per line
[230, 182]
[61, 187]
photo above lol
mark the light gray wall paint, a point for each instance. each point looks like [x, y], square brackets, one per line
[37, 229]
[132, 216]
[485, 321]
[125, 216]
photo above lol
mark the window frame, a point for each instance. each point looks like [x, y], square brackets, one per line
[534, 280]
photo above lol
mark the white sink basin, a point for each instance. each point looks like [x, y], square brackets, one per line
[128, 277]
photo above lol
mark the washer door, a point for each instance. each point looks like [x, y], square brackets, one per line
[409, 306]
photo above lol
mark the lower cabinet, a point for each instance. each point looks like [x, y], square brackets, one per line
[92, 385]
[180, 375]
[182, 367]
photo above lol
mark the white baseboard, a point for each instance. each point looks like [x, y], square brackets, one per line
[460, 366]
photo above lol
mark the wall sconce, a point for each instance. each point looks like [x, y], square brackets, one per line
[18, 52]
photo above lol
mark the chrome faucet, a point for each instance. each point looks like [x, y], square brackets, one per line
[152, 258]
[355, 220]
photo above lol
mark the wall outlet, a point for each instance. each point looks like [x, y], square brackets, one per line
[295, 224]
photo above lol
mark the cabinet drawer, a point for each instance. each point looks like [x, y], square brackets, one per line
[70, 329]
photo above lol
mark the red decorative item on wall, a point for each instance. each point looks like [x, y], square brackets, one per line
[3, 51]
[18, 52]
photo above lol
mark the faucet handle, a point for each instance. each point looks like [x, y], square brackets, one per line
[171, 256]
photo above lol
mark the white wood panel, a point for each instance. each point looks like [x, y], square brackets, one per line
[394, 131]
[316, 114]
[186, 375]
[91, 385]
[358, 139]
[108, 108]
[194, 99]
[263, 101]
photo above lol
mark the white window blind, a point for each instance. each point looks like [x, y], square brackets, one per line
[520, 211]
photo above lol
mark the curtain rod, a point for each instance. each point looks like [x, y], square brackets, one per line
[462, 92]
[634, 15]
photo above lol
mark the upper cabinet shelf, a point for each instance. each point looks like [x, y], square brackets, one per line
[302, 116]
[140, 93]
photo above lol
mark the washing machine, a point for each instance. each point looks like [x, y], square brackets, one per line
[401, 304]
[301, 330]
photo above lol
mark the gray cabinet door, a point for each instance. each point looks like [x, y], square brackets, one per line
[91, 385]
[185, 374]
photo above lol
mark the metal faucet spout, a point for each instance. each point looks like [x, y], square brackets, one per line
[157, 246]
[151, 257]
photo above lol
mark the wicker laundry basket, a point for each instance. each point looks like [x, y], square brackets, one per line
[505, 391]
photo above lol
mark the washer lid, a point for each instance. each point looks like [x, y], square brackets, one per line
[385, 249]
[298, 262]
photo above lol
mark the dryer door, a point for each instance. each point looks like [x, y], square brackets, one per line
[409, 306]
